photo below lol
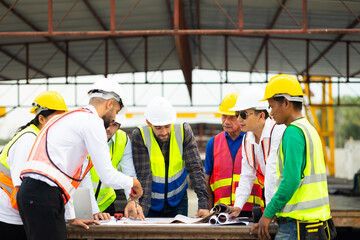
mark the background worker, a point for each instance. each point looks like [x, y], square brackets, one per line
[122, 160]
[259, 148]
[53, 169]
[223, 158]
[13, 158]
[301, 201]
[164, 154]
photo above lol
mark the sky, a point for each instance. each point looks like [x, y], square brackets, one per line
[206, 97]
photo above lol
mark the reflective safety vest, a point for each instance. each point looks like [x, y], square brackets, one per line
[39, 161]
[226, 175]
[311, 199]
[176, 181]
[6, 182]
[107, 194]
[252, 158]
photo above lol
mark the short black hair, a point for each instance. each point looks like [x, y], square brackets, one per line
[264, 111]
[296, 105]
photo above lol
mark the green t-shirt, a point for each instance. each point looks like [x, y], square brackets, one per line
[293, 147]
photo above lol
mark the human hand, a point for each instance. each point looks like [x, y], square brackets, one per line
[201, 213]
[234, 212]
[134, 210]
[136, 190]
[263, 225]
[82, 222]
[102, 216]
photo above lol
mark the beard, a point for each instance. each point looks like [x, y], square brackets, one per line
[107, 118]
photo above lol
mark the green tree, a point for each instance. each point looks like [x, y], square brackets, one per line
[347, 120]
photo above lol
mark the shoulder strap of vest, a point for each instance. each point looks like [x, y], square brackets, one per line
[179, 135]
[145, 130]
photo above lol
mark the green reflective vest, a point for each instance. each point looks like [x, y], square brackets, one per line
[107, 194]
[5, 176]
[311, 200]
[176, 177]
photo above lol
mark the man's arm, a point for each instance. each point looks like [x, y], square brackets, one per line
[270, 174]
[126, 164]
[293, 147]
[193, 164]
[142, 167]
[246, 182]
[209, 166]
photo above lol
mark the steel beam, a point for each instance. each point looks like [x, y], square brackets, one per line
[103, 26]
[332, 44]
[10, 55]
[182, 44]
[36, 29]
[272, 24]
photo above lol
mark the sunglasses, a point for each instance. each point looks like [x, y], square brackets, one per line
[242, 114]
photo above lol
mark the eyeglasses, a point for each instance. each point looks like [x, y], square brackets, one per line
[242, 114]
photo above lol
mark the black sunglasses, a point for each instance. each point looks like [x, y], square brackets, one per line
[242, 114]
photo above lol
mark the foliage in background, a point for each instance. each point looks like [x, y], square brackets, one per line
[347, 120]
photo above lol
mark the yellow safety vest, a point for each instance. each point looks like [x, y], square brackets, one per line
[177, 181]
[107, 194]
[311, 200]
[6, 182]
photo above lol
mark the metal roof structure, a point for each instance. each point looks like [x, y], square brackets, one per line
[63, 38]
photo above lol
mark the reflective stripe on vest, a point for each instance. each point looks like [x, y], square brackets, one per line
[225, 177]
[177, 181]
[40, 163]
[311, 200]
[252, 158]
[6, 182]
[107, 194]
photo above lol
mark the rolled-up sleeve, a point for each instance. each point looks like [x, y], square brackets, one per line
[142, 167]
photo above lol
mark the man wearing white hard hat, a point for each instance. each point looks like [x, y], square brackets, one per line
[164, 154]
[223, 160]
[122, 160]
[259, 146]
[53, 168]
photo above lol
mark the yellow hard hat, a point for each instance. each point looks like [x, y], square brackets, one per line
[48, 100]
[227, 103]
[282, 84]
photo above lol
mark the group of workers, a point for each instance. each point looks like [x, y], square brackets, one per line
[272, 159]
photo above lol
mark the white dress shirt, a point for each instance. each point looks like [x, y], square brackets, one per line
[71, 139]
[126, 165]
[18, 153]
[268, 167]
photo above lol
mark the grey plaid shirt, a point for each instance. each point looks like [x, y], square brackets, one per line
[193, 165]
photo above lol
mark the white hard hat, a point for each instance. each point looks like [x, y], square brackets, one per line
[107, 88]
[160, 112]
[250, 97]
[120, 118]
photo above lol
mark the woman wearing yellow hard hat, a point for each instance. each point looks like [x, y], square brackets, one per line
[13, 157]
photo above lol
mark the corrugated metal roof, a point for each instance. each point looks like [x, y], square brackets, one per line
[284, 55]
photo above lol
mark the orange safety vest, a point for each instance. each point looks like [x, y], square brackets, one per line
[252, 159]
[226, 175]
[40, 162]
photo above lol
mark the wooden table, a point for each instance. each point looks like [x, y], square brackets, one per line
[164, 231]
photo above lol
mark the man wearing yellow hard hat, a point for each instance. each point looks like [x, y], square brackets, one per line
[223, 158]
[13, 158]
[301, 202]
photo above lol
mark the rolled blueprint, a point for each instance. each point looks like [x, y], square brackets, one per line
[213, 220]
[223, 217]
